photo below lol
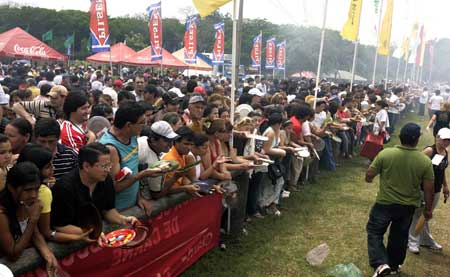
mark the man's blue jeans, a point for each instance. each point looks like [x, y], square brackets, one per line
[399, 217]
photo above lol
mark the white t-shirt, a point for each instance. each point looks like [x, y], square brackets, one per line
[146, 157]
[319, 119]
[445, 96]
[436, 101]
[396, 100]
[382, 116]
[423, 99]
[306, 129]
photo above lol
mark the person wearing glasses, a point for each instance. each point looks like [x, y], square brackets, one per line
[90, 184]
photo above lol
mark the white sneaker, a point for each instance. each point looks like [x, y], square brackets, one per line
[285, 194]
[435, 246]
[382, 270]
[414, 249]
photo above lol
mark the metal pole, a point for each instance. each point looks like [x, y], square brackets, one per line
[355, 54]
[406, 69]
[378, 41]
[110, 62]
[431, 69]
[260, 63]
[322, 38]
[398, 69]
[237, 15]
[387, 72]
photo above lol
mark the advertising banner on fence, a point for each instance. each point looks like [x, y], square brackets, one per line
[190, 40]
[270, 53]
[219, 43]
[256, 51]
[181, 235]
[155, 30]
[98, 26]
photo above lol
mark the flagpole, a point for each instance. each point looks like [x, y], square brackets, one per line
[431, 66]
[398, 69]
[322, 38]
[260, 63]
[237, 15]
[406, 69]
[387, 71]
[110, 62]
[355, 54]
[378, 41]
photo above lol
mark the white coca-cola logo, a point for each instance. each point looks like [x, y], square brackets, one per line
[30, 51]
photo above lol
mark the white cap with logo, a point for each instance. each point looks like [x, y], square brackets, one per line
[163, 129]
[444, 133]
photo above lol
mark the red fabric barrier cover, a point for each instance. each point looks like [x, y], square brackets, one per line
[372, 146]
[180, 237]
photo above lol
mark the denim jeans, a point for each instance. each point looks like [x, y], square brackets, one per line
[327, 158]
[393, 120]
[421, 109]
[253, 193]
[399, 218]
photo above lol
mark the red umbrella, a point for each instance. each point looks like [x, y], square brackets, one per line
[144, 58]
[119, 54]
[20, 44]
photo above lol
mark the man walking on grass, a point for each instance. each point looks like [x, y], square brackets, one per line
[402, 170]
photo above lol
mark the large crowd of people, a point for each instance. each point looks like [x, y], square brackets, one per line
[77, 136]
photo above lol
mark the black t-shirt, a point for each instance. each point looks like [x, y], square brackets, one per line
[69, 195]
[439, 170]
[442, 121]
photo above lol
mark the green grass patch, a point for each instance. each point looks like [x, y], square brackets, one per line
[334, 211]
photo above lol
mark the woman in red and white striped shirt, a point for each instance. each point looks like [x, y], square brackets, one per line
[74, 132]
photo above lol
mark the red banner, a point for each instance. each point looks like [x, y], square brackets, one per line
[281, 55]
[256, 51]
[190, 41]
[219, 43]
[98, 26]
[181, 235]
[270, 53]
[155, 30]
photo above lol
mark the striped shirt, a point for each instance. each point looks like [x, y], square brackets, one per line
[64, 161]
[73, 136]
[39, 109]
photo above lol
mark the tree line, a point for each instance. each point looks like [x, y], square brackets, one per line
[302, 47]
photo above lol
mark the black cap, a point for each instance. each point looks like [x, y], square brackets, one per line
[410, 130]
[171, 98]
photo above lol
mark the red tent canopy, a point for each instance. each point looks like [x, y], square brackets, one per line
[20, 44]
[119, 54]
[144, 58]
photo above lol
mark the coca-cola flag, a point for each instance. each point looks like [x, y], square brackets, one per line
[155, 30]
[281, 55]
[256, 51]
[98, 26]
[190, 40]
[219, 43]
[270, 53]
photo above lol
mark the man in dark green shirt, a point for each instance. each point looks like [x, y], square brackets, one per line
[402, 169]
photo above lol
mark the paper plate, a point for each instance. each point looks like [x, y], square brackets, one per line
[119, 238]
[266, 160]
[319, 144]
[90, 219]
[264, 164]
[142, 233]
[303, 152]
[258, 137]
[336, 139]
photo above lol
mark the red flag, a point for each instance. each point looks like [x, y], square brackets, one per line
[98, 26]
[155, 30]
[270, 53]
[256, 51]
[190, 40]
[219, 43]
[281, 55]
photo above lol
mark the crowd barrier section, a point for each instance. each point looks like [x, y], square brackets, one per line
[184, 229]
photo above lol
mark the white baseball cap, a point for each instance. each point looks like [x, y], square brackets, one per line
[444, 133]
[163, 129]
[177, 91]
[257, 92]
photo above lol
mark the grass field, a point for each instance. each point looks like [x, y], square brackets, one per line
[334, 211]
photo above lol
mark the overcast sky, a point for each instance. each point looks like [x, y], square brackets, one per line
[432, 13]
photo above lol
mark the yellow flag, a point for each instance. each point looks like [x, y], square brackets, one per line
[385, 38]
[206, 7]
[405, 48]
[351, 28]
[422, 48]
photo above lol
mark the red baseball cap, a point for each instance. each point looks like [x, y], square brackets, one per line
[118, 83]
[200, 89]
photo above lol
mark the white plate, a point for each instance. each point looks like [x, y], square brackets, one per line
[258, 137]
[266, 160]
